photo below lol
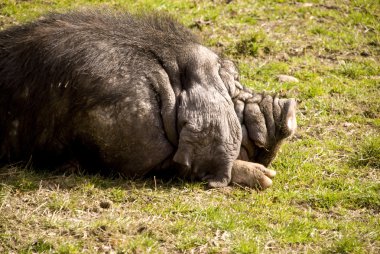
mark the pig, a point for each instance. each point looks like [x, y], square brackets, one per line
[134, 94]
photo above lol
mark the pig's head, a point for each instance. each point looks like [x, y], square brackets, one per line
[209, 130]
[266, 121]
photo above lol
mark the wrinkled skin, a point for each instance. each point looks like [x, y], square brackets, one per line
[266, 121]
[130, 94]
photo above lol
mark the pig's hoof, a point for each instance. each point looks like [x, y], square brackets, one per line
[270, 173]
[265, 183]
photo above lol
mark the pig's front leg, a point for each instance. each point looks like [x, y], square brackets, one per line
[251, 174]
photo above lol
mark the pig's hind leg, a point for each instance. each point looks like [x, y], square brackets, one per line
[251, 175]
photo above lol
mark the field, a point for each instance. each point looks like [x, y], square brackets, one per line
[326, 195]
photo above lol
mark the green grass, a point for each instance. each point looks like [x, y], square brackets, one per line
[326, 196]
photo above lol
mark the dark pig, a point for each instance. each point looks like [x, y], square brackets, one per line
[135, 94]
[129, 93]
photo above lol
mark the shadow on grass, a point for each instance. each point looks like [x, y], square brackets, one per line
[22, 178]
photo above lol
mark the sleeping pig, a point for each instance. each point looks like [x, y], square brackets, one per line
[131, 93]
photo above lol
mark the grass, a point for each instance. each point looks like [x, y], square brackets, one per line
[326, 197]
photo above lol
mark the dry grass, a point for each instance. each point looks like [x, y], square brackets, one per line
[326, 197]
